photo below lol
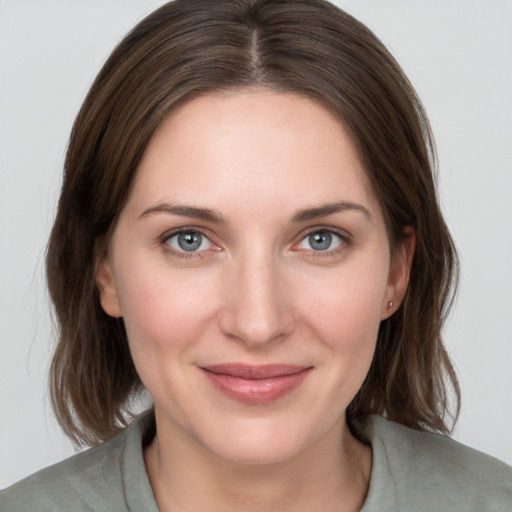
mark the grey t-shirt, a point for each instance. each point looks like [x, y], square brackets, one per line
[412, 471]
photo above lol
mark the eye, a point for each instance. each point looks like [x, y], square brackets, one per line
[322, 240]
[189, 241]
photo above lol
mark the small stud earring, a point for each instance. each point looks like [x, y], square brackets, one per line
[390, 304]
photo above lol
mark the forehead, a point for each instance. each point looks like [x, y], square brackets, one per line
[281, 147]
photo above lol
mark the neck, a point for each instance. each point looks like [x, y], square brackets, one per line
[331, 474]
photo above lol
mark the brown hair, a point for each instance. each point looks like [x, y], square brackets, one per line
[190, 47]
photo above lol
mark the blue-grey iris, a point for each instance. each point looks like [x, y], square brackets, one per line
[189, 241]
[320, 241]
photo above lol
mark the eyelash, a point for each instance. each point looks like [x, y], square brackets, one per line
[164, 242]
[345, 242]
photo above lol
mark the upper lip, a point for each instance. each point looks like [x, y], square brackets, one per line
[255, 372]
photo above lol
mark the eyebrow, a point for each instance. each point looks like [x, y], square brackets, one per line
[185, 211]
[206, 214]
[329, 209]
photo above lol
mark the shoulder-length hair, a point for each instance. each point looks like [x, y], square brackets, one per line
[191, 47]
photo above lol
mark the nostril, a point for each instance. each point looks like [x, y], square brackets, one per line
[256, 323]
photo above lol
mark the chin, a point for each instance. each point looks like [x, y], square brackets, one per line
[259, 453]
[259, 442]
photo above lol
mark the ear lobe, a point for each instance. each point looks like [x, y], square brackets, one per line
[399, 272]
[105, 282]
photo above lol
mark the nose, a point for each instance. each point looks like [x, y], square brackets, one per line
[257, 309]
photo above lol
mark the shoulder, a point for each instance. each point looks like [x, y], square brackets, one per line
[92, 480]
[435, 472]
[82, 482]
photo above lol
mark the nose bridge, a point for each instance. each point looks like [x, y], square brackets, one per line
[256, 310]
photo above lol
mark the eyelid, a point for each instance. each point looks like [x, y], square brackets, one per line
[346, 240]
[164, 238]
[345, 235]
[203, 240]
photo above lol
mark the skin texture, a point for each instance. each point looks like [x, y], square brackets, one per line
[257, 292]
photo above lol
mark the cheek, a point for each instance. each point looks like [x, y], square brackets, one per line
[164, 310]
[343, 311]
[166, 315]
[347, 304]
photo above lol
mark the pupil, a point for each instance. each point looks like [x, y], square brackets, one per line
[189, 241]
[320, 241]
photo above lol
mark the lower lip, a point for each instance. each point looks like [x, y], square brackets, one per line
[256, 391]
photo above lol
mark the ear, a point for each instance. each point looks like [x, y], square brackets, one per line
[399, 272]
[106, 284]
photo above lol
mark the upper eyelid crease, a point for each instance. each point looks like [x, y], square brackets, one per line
[178, 231]
[341, 234]
[345, 239]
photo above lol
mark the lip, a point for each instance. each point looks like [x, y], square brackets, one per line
[255, 384]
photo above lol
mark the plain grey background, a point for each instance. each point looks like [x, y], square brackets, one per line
[457, 53]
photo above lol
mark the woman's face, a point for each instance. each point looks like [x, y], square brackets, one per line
[252, 268]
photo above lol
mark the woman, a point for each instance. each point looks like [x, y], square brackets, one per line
[248, 229]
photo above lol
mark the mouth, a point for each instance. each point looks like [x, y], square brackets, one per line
[255, 384]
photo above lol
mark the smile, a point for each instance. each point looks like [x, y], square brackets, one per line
[256, 385]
